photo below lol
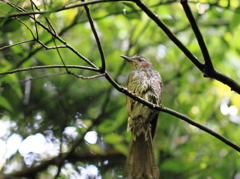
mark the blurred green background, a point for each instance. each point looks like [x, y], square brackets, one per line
[42, 119]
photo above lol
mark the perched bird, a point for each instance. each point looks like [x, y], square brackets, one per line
[145, 82]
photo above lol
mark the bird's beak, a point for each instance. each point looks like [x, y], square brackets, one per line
[129, 59]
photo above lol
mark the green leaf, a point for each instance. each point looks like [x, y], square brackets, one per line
[5, 104]
[17, 87]
[57, 5]
[130, 5]
[121, 148]
[9, 25]
[235, 19]
[135, 15]
[113, 138]
[106, 126]
[131, 12]
[95, 148]
[114, 7]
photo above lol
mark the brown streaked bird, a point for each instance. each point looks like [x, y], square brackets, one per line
[146, 83]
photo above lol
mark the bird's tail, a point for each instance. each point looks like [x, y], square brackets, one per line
[141, 162]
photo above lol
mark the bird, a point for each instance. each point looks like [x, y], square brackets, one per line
[144, 81]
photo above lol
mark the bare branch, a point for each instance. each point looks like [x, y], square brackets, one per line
[53, 47]
[53, 34]
[74, 22]
[26, 27]
[208, 72]
[197, 34]
[25, 13]
[172, 112]
[50, 66]
[217, 75]
[168, 32]
[200, 126]
[8, 46]
[103, 68]
[89, 77]
[36, 27]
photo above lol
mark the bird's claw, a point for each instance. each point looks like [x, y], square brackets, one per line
[161, 106]
[123, 88]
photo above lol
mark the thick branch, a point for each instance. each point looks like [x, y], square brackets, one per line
[196, 124]
[208, 72]
[226, 80]
[168, 32]
[172, 112]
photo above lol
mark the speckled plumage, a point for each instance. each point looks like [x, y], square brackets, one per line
[145, 82]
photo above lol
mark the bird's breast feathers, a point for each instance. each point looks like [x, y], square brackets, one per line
[141, 81]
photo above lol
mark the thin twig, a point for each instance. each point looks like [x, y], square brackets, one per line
[25, 41]
[74, 22]
[50, 66]
[60, 101]
[54, 41]
[197, 33]
[100, 49]
[26, 26]
[55, 32]
[55, 35]
[30, 79]
[53, 47]
[25, 13]
[36, 27]
[88, 77]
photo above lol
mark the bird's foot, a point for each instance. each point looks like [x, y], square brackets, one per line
[136, 94]
[161, 106]
[123, 88]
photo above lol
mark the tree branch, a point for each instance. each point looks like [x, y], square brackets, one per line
[172, 112]
[50, 66]
[88, 77]
[197, 33]
[168, 32]
[50, 48]
[217, 75]
[26, 13]
[208, 72]
[25, 41]
[53, 34]
[74, 22]
[103, 68]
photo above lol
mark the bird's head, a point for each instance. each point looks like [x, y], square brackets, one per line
[137, 61]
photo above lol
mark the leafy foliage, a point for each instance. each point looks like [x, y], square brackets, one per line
[46, 117]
